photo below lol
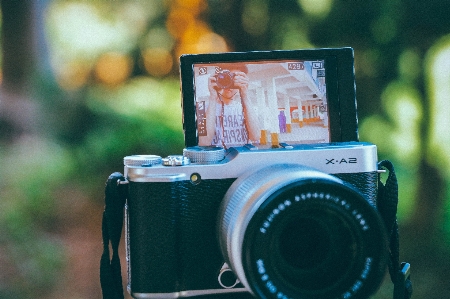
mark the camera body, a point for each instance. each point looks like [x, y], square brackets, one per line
[225, 79]
[254, 221]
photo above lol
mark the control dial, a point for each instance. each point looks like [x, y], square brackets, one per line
[142, 160]
[204, 154]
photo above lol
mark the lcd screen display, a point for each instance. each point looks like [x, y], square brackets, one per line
[269, 99]
[264, 103]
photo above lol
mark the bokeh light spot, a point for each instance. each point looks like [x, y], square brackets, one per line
[438, 79]
[399, 134]
[113, 68]
[255, 17]
[200, 39]
[158, 38]
[317, 8]
[157, 61]
[409, 64]
[178, 21]
[211, 42]
[73, 75]
[384, 29]
[194, 6]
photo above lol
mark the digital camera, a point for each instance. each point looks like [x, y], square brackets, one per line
[225, 79]
[285, 223]
[291, 214]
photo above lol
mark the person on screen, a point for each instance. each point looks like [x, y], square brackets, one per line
[231, 120]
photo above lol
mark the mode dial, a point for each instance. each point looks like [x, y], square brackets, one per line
[142, 160]
[204, 154]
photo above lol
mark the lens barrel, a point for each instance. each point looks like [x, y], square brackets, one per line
[289, 231]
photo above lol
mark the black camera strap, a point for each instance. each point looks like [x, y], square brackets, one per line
[112, 223]
[387, 202]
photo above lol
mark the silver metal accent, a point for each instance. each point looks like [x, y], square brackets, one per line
[176, 160]
[135, 176]
[240, 160]
[120, 182]
[251, 147]
[142, 160]
[184, 294]
[286, 146]
[204, 154]
[225, 268]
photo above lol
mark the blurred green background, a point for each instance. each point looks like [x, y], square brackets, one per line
[85, 83]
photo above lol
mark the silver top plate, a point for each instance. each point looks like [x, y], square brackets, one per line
[354, 157]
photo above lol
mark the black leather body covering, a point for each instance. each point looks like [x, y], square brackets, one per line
[172, 234]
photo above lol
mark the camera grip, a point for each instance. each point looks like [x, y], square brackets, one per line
[151, 230]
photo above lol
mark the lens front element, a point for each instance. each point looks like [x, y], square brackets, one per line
[302, 244]
[292, 232]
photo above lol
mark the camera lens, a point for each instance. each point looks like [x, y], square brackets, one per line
[292, 232]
